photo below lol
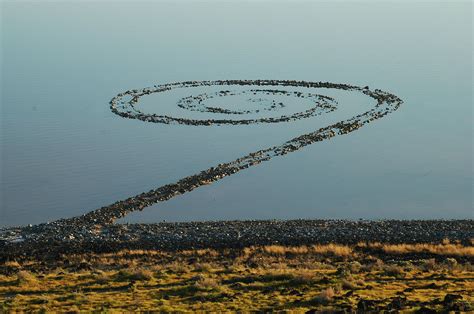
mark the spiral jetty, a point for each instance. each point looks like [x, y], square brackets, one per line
[385, 104]
[96, 231]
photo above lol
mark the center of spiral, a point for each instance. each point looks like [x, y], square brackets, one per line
[261, 100]
[233, 102]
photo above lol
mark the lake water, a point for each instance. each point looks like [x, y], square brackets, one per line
[64, 153]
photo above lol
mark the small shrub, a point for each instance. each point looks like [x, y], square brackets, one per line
[429, 264]
[136, 274]
[101, 278]
[303, 277]
[446, 241]
[407, 266]
[373, 264]
[451, 263]
[349, 285]
[247, 251]
[325, 296]
[177, 268]
[343, 272]
[355, 267]
[203, 267]
[25, 277]
[393, 271]
[206, 283]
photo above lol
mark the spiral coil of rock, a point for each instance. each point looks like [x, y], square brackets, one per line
[124, 105]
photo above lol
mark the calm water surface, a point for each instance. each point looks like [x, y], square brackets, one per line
[64, 153]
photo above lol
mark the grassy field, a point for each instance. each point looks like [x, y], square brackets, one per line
[322, 277]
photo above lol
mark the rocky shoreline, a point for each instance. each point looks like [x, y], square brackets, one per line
[95, 231]
[125, 105]
[48, 241]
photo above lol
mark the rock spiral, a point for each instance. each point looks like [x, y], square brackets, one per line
[126, 105]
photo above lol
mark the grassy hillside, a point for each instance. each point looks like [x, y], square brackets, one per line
[321, 277]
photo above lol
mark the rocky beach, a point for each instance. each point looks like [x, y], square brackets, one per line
[297, 265]
[52, 239]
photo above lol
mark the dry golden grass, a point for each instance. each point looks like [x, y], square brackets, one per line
[13, 264]
[445, 248]
[275, 249]
[332, 249]
[282, 250]
[300, 278]
[323, 249]
[201, 252]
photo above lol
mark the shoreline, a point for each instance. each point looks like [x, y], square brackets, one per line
[49, 240]
[421, 266]
[322, 278]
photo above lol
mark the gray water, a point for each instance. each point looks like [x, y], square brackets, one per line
[63, 153]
